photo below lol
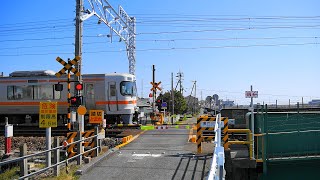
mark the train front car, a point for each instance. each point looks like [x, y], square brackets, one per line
[120, 101]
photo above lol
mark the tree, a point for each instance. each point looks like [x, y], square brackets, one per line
[180, 104]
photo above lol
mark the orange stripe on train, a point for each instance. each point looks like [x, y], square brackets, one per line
[63, 103]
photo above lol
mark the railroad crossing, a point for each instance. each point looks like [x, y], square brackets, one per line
[155, 154]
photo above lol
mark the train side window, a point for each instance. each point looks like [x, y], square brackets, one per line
[43, 92]
[27, 92]
[57, 94]
[89, 91]
[113, 91]
[18, 92]
[10, 92]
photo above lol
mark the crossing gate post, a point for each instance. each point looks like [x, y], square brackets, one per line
[70, 137]
[91, 142]
[225, 132]
[208, 125]
[96, 143]
[56, 158]
[79, 148]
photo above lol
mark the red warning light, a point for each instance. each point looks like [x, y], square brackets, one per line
[79, 86]
[150, 95]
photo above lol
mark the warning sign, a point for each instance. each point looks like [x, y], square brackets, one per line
[48, 114]
[96, 116]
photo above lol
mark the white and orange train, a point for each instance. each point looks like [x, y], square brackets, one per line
[22, 91]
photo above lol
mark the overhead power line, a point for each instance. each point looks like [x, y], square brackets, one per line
[178, 48]
[166, 40]
[227, 39]
[229, 29]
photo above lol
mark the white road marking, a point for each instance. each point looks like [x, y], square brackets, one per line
[147, 155]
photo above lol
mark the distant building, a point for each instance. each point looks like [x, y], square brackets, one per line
[227, 103]
[314, 102]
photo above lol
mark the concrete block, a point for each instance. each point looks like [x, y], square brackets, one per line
[87, 160]
[31, 165]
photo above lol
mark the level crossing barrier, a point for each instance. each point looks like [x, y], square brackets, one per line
[205, 130]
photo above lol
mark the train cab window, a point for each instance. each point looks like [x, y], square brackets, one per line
[128, 88]
[89, 91]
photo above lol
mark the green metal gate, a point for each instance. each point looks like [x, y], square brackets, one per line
[288, 143]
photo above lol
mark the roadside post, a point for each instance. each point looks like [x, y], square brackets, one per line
[48, 119]
[164, 107]
[252, 94]
[8, 136]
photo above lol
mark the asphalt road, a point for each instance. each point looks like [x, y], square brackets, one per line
[156, 154]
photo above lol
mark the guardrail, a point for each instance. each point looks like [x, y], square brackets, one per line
[217, 167]
[80, 152]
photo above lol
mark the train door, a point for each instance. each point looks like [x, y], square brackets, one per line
[90, 96]
[113, 96]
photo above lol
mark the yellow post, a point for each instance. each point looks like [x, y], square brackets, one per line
[250, 146]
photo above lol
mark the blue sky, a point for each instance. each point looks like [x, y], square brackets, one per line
[272, 45]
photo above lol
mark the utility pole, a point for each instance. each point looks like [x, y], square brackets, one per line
[195, 94]
[172, 98]
[252, 123]
[289, 103]
[154, 90]
[302, 103]
[78, 52]
[180, 76]
[78, 37]
[142, 88]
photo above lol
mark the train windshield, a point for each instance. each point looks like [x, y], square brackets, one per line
[128, 88]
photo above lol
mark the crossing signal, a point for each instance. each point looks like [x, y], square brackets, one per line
[76, 101]
[158, 103]
[79, 86]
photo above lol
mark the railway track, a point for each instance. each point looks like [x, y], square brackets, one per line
[28, 131]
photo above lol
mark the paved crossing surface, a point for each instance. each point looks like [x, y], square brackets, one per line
[156, 154]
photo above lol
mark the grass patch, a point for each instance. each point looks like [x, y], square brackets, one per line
[9, 174]
[64, 176]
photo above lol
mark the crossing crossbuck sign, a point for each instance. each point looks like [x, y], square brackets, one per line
[68, 66]
[155, 86]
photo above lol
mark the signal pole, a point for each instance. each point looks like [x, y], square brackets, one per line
[172, 98]
[78, 37]
[78, 52]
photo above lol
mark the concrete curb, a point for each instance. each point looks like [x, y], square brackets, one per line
[84, 169]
